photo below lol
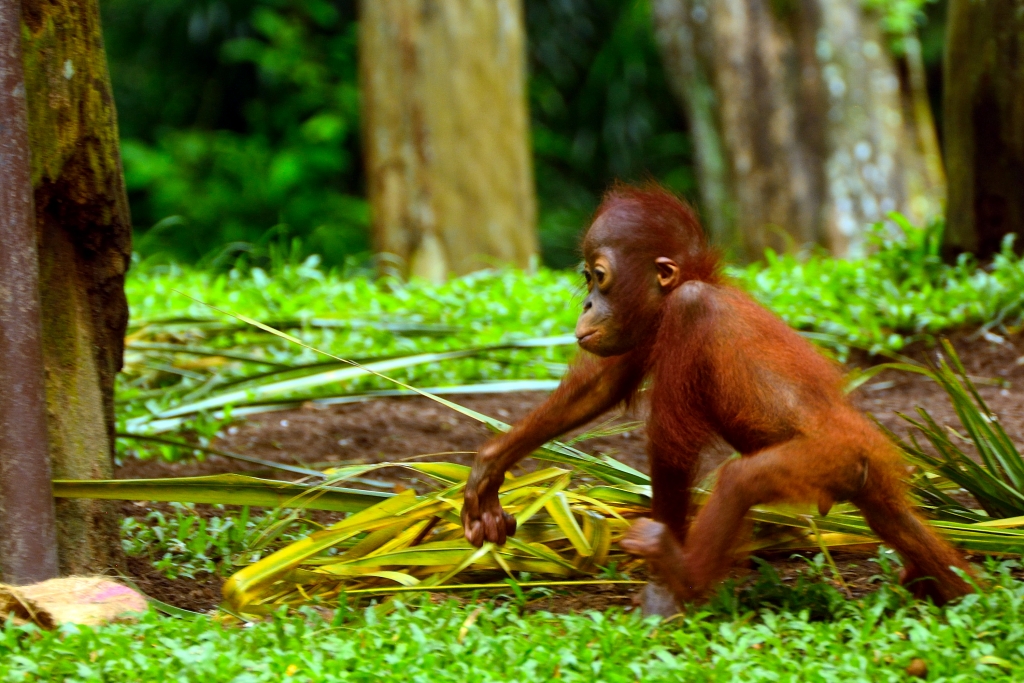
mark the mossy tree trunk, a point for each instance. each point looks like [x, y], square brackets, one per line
[984, 123]
[446, 134]
[84, 250]
[28, 529]
[805, 130]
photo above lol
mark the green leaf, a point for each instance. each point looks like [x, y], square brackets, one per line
[224, 489]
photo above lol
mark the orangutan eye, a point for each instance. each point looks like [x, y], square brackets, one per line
[588, 277]
[601, 275]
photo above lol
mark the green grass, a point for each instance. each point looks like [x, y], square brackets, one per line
[871, 639]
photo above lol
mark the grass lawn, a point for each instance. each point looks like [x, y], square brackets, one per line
[872, 639]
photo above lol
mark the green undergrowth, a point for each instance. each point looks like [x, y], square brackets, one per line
[805, 630]
[182, 544]
[355, 317]
[872, 639]
[902, 293]
[880, 303]
[188, 365]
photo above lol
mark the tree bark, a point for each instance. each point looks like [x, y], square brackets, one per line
[446, 134]
[804, 131]
[984, 123]
[84, 232]
[28, 534]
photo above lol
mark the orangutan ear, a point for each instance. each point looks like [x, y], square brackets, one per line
[668, 272]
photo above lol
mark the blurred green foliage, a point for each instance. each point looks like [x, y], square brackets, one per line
[601, 111]
[238, 117]
[899, 17]
[239, 120]
[927, 20]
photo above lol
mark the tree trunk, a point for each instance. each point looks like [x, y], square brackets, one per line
[84, 250]
[805, 130]
[984, 123]
[446, 134]
[28, 530]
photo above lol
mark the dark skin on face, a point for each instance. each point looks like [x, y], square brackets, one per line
[720, 366]
[597, 332]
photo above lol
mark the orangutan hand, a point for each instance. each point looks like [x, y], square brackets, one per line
[482, 516]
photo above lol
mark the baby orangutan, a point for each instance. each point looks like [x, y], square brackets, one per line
[719, 365]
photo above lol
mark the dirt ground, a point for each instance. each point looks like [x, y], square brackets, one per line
[414, 427]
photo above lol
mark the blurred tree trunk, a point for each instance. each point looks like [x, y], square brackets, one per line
[84, 250]
[984, 123]
[804, 126]
[446, 134]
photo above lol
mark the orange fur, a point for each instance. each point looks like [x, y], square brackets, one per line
[720, 365]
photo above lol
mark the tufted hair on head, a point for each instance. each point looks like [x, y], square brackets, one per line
[650, 221]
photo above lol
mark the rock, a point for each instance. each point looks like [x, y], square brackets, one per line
[88, 600]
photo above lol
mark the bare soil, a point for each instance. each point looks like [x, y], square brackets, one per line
[394, 429]
[198, 595]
